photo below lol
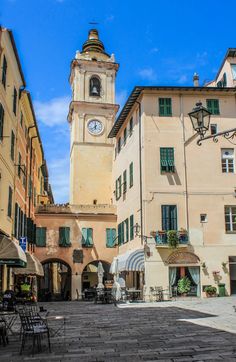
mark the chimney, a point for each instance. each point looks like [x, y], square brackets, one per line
[196, 80]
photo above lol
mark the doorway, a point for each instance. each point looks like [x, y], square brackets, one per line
[232, 273]
[192, 273]
[56, 284]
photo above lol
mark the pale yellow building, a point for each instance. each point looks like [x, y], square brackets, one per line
[165, 181]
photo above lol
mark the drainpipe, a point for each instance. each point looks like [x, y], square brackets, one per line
[140, 172]
[185, 163]
[30, 172]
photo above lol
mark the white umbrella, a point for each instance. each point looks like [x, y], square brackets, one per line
[100, 275]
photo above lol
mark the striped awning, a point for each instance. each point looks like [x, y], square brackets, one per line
[132, 260]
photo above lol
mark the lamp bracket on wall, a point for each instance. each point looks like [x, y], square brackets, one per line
[229, 135]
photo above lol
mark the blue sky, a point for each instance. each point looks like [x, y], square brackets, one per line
[155, 42]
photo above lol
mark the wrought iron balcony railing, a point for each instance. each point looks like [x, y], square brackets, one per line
[161, 238]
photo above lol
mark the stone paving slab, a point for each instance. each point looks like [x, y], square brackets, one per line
[105, 333]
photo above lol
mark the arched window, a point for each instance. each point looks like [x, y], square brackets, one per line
[94, 87]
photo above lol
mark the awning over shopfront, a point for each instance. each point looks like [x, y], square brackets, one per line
[132, 260]
[34, 267]
[11, 253]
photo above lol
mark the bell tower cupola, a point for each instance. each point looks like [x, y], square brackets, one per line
[91, 115]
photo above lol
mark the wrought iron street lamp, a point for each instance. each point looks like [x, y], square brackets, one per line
[200, 118]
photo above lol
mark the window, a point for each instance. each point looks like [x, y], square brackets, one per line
[118, 188]
[12, 145]
[227, 160]
[165, 107]
[64, 236]
[1, 121]
[16, 221]
[14, 100]
[110, 238]
[19, 165]
[213, 106]
[167, 159]
[119, 145]
[87, 237]
[230, 218]
[131, 126]
[125, 135]
[4, 71]
[94, 87]
[121, 233]
[131, 175]
[203, 218]
[233, 68]
[124, 182]
[41, 236]
[224, 80]
[21, 119]
[131, 227]
[126, 230]
[213, 128]
[169, 217]
[9, 208]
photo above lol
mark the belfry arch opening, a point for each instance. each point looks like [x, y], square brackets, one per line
[90, 274]
[56, 284]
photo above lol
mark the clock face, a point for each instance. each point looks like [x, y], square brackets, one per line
[95, 127]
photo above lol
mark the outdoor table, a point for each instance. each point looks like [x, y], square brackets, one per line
[9, 317]
[55, 330]
[133, 294]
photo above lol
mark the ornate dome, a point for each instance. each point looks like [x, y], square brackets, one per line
[93, 44]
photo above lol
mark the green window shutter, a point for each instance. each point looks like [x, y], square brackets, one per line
[9, 208]
[14, 100]
[119, 234]
[126, 230]
[124, 182]
[165, 107]
[224, 80]
[167, 159]
[90, 236]
[16, 221]
[213, 106]
[64, 236]
[131, 174]
[131, 126]
[1, 121]
[122, 232]
[84, 236]
[110, 238]
[41, 236]
[4, 71]
[12, 145]
[131, 226]
[119, 187]
[169, 217]
[125, 135]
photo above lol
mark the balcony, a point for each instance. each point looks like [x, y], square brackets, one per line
[180, 239]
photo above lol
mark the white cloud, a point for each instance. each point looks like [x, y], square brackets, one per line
[59, 173]
[182, 79]
[154, 50]
[54, 112]
[148, 74]
[121, 97]
[110, 18]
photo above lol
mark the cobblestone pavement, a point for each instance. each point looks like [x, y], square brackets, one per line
[107, 333]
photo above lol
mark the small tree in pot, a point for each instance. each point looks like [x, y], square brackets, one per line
[184, 285]
[173, 238]
[210, 291]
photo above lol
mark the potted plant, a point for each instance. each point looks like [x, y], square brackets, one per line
[173, 238]
[184, 285]
[210, 291]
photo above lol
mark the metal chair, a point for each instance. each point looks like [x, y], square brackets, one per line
[3, 332]
[32, 325]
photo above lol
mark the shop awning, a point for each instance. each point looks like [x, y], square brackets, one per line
[34, 267]
[132, 260]
[11, 253]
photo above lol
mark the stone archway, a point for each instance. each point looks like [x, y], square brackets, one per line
[56, 284]
[89, 275]
[182, 258]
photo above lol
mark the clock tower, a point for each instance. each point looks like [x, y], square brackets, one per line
[91, 115]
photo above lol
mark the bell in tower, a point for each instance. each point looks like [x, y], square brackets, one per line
[95, 87]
